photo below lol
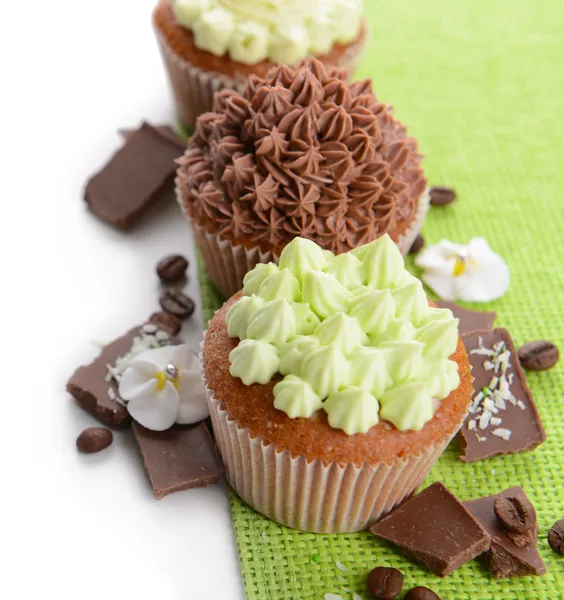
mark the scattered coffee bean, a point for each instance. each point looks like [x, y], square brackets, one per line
[421, 593]
[441, 196]
[177, 303]
[516, 514]
[538, 355]
[94, 439]
[556, 537]
[418, 243]
[167, 322]
[172, 268]
[384, 583]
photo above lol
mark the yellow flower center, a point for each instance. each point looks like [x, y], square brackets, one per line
[459, 266]
[163, 376]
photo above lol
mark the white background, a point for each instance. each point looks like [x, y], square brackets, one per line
[73, 526]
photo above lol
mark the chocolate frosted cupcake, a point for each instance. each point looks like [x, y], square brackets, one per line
[302, 152]
[208, 45]
[333, 385]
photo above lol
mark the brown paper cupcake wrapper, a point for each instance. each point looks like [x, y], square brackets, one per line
[194, 88]
[310, 495]
[227, 264]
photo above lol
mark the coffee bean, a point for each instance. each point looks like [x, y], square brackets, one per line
[177, 303]
[418, 243]
[421, 593]
[94, 439]
[538, 355]
[441, 196]
[384, 583]
[166, 321]
[556, 537]
[516, 514]
[172, 268]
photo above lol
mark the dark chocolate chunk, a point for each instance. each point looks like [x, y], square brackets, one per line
[384, 583]
[181, 458]
[97, 392]
[421, 593]
[469, 320]
[441, 195]
[177, 303]
[518, 517]
[538, 355]
[505, 558]
[94, 439]
[172, 268]
[417, 245]
[435, 529]
[167, 322]
[134, 179]
[556, 537]
[165, 130]
[503, 418]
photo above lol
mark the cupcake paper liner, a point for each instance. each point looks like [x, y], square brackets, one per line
[227, 264]
[194, 88]
[313, 495]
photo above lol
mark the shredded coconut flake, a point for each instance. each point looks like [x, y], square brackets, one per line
[484, 419]
[521, 405]
[504, 434]
[472, 424]
[340, 566]
[495, 421]
[333, 597]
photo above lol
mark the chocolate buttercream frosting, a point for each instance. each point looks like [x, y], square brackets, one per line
[302, 152]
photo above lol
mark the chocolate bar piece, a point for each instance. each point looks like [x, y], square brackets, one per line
[435, 529]
[181, 458]
[165, 130]
[503, 418]
[505, 558]
[135, 177]
[95, 386]
[469, 320]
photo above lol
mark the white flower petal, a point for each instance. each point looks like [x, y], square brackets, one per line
[485, 278]
[193, 405]
[150, 368]
[135, 383]
[156, 411]
[184, 359]
[158, 357]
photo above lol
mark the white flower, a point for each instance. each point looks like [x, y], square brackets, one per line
[474, 273]
[163, 386]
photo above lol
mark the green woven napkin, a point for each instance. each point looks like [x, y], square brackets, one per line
[482, 87]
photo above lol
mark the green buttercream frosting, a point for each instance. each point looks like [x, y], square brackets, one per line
[342, 331]
[369, 369]
[382, 263]
[306, 320]
[353, 335]
[239, 314]
[280, 285]
[293, 353]
[353, 410]
[253, 279]
[345, 268]
[325, 294]
[274, 322]
[374, 309]
[326, 370]
[440, 337]
[408, 406]
[302, 256]
[296, 397]
[254, 361]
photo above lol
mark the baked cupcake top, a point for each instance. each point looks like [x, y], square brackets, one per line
[284, 31]
[353, 335]
[303, 152]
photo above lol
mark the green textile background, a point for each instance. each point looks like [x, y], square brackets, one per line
[481, 84]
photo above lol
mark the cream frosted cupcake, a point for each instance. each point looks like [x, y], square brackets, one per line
[302, 152]
[333, 385]
[208, 45]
